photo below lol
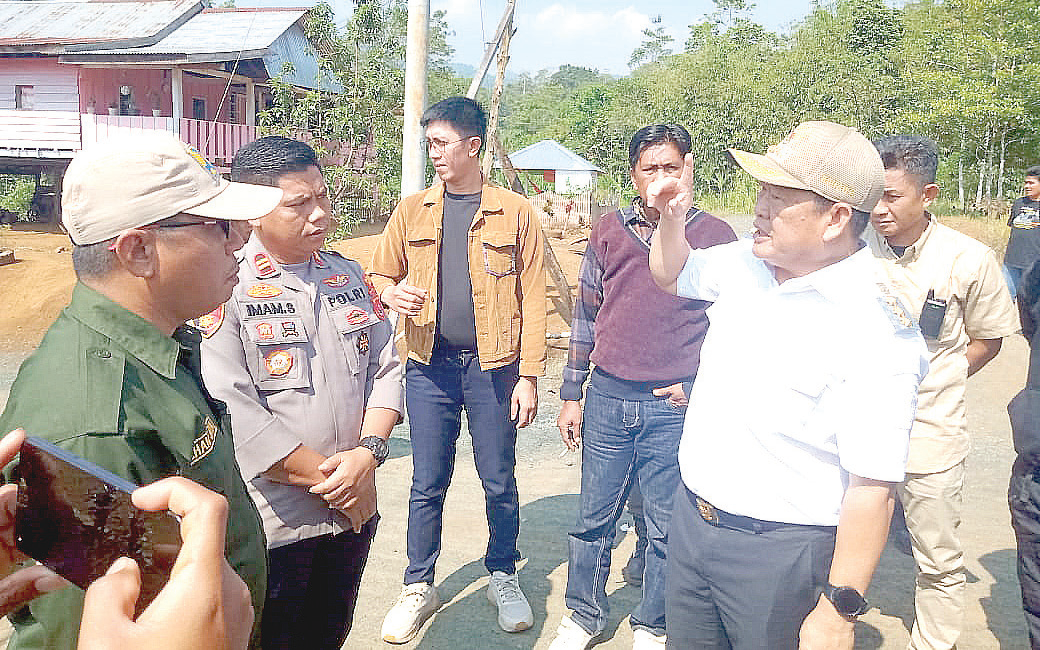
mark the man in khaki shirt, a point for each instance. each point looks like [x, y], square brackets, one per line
[954, 284]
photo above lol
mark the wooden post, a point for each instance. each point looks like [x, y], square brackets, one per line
[565, 304]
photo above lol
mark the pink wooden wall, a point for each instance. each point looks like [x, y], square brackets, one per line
[148, 85]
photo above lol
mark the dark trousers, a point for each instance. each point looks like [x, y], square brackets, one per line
[1024, 500]
[435, 395]
[737, 589]
[312, 588]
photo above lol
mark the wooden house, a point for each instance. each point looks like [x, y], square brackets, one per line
[75, 73]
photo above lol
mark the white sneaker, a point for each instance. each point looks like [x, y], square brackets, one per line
[644, 639]
[514, 612]
[416, 603]
[570, 636]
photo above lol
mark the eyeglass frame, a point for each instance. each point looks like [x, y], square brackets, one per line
[224, 224]
[433, 145]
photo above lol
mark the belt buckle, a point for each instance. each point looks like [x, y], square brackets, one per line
[707, 512]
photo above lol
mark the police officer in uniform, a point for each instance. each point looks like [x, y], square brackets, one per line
[116, 379]
[303, 355]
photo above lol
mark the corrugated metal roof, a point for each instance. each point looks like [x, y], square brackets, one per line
[550, 154]
[220, 31]
[293, 47]
[65, 24]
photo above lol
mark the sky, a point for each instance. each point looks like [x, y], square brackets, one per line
[597, 34]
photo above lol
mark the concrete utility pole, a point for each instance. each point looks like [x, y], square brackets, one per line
[413, 156]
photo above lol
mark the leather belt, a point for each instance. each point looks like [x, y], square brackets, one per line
[723, 519]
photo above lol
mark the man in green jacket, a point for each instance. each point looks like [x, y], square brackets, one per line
[116, 379]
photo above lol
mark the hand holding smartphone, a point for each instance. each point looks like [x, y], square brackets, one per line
[77, 518]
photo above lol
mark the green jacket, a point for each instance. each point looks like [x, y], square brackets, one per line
[108, 386]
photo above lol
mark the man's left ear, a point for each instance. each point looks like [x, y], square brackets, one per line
[930, 191]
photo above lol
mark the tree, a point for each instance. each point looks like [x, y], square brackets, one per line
[655, 45]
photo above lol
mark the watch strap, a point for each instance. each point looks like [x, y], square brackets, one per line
[378, 446]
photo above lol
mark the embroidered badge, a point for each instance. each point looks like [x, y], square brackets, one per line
[896, 311]
[377, 304]
[199, 158]
[318, 262]
[337, 281]
[289, 329]
[263, 291]
[356, 316]
[264, 266]
[362, 343]
[211, 322]
[279, 363]
[204, 443]
[265, 331]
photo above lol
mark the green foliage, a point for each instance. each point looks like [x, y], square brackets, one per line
[17, 193]
[962, 72]
[364, 61]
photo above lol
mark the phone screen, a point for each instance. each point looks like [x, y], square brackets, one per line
[76, 518]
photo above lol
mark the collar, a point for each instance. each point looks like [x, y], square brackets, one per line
[634, 213]
[912, 252]
[126, 329]
[836, 281]
[490, 200]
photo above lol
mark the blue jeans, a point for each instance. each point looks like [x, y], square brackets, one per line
[1013, 277]
[622, 441]
[435, 395]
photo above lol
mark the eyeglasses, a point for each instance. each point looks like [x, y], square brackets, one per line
[224, 225]
[441, 145]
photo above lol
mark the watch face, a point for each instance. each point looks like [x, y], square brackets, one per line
[848, 601]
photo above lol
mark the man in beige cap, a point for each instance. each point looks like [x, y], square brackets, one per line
[798, 422]
[116, 379]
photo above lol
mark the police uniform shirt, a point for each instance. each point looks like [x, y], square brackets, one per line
[800, 383]
[110, 387]
[964, 274]
[298, 353]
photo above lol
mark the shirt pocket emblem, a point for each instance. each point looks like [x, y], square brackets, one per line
[262, 290]
[279, 362]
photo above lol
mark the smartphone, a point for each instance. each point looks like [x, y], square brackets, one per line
[76, 518]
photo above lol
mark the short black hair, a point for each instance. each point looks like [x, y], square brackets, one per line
[464, 115]
[915, 155]
[1033, 171]
[264, 161]
[648, 136]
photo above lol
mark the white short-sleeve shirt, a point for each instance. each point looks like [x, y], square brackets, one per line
[800, 384]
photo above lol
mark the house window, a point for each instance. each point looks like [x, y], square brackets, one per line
[24, 98]
[126, 101]
[198, 108]
[235, 109]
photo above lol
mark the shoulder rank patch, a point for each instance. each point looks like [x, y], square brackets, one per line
[279, 362]
[318, 262]
[337, 281]
[263, 291]
[377, 304]
[264, 266]
[894, 307]
[209, 324]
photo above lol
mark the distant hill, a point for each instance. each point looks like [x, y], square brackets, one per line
[466, 71]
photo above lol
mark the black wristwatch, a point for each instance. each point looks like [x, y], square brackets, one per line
[849, 602]
[379, 448]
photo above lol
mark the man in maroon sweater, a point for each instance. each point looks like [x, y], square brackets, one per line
[645, 344]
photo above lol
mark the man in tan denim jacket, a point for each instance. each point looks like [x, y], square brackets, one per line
[462, 262]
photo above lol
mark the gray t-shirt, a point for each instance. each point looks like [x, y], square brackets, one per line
[455, 326]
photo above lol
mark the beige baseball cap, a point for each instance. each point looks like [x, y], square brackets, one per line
[834, 161]
[120, 184]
